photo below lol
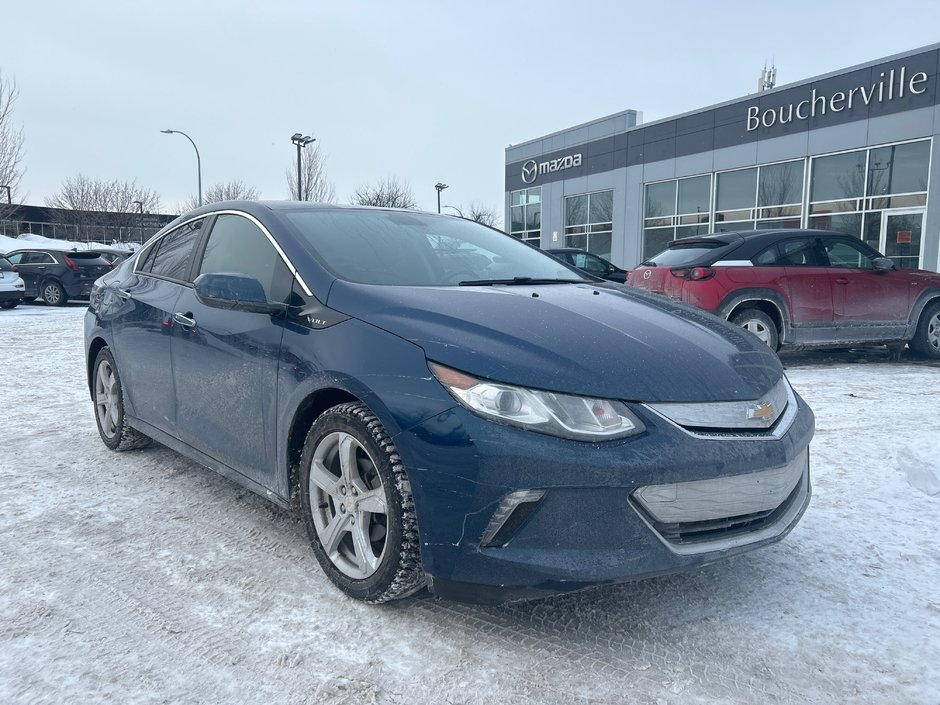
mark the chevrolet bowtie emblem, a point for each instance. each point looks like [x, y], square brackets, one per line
[763, 411]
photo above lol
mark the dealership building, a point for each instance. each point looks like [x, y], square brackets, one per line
[851, 151]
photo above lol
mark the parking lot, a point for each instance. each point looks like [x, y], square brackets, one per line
[143, 578]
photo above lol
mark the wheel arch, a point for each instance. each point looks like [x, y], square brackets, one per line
[768, 302]
[306, 413]
[93, 349]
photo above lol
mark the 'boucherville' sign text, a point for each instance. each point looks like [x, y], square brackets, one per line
[880, 91]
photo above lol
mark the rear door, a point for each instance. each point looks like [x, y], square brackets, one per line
[805, 283]
[143, 329]
[32, 266]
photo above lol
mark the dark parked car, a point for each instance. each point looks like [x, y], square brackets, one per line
[55, 276]
[475, 432]
[590, 263]
[800, 288]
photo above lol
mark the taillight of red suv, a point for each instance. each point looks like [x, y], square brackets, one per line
[693, 273]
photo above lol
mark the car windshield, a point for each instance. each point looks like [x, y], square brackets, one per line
[419, 249]
[683, 254]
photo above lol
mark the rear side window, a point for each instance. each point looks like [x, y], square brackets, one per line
[684, 254]
[792, 253]
[171, 256]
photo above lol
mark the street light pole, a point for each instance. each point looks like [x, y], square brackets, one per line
[198, 159]
[440, 187]
[140, 220]
[301, 141]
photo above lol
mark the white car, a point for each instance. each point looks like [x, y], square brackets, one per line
[11, 284]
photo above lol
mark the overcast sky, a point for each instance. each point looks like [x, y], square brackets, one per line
[424, 91]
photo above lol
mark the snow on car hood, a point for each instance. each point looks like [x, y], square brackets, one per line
[591, 339]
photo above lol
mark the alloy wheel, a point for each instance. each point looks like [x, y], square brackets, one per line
[106, 399]
[348, 504]
[933, 331]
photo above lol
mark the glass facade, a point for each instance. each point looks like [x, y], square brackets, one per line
[589, 222]
[878, 194]
[525, 213]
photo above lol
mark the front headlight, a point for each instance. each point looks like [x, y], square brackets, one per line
[564, 415]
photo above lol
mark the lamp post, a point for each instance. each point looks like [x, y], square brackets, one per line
[9, 197]
[440, 187]
[198, 160]
[459, 212]
[301, 141]
[140, 219]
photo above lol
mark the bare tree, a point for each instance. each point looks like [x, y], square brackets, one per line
[484, 214]
[231, 191]
[387, 193]
[83, 200]
[11, 143]
[316, 187]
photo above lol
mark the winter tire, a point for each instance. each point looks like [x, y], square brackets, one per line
[358, 508]
[52, 293]
[9, 304]
[760, 324]
[926, 340]
[109, 407]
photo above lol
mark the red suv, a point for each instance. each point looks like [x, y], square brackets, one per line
[800, 288]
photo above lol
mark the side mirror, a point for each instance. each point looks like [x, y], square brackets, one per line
[236, 292]
[882, 264]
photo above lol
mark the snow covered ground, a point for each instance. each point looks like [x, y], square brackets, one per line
[144, 578]
[8, 244]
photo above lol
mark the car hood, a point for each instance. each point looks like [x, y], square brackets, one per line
[592, 339]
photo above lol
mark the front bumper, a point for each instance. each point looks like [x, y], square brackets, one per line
[603, 512]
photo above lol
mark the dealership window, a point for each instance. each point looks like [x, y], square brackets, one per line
[525, 213]
[589, 222]
[780, 195]
[675, 209]
[878, 195]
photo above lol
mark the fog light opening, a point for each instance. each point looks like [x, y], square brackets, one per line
[514, 510]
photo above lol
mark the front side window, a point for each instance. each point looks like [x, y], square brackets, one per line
[171, 256]
[846, 255]
[238, 246]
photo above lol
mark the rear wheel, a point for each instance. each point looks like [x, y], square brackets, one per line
[760, 324]
[9, 304]
[52, 293]
[926, 340]
[109, 407]
[358, 508]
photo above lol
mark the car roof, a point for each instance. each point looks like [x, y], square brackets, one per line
[752, 236]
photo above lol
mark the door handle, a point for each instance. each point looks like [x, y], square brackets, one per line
[184, 320]
[842, 280]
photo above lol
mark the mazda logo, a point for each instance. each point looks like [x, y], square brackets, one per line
[530, 171]
[647, 274]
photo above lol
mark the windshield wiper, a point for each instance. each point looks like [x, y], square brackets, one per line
[519, 281]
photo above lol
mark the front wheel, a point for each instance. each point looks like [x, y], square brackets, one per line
[926, 340]
[53, 294]
[109, 407]
[358, 508]
[760, 324]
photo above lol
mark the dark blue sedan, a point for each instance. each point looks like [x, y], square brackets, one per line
[446, 405]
